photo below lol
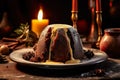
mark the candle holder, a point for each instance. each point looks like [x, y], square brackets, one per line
[74, 18]
[99, 24]
[92, 37]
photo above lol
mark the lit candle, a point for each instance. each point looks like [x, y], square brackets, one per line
[98, 5]
[74, 5]
[39, 24]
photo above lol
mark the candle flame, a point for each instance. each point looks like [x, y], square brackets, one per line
[40, 14]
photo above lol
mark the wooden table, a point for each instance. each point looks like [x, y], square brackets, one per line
[13, 71]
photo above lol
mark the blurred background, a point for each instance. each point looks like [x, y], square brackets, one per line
[59, 11]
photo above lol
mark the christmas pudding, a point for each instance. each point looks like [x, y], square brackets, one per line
[57, 43]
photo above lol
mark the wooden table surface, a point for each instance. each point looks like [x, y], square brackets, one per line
[13, 71]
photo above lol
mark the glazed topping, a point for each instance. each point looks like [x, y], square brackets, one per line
[62, 31]
[52, 62]
[71, 52]
[56, 30]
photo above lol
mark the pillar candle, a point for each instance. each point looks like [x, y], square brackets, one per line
[39, 24]
[98, 5]
[74, 5]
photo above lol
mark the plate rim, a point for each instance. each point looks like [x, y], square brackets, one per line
[22, 61]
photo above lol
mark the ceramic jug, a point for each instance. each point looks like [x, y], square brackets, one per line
[110, 42]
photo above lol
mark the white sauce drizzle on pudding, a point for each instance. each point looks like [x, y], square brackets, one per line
[72, 59]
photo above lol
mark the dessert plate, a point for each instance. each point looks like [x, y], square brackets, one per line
[99, 56]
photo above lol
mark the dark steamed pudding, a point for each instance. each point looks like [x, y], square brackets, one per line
[57, 43]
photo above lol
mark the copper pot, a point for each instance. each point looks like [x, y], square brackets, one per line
[110, 42]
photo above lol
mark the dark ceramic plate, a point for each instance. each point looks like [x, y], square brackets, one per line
[99, 56]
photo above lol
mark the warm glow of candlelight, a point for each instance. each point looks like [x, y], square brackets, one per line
[40, 14]
[39, 24]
